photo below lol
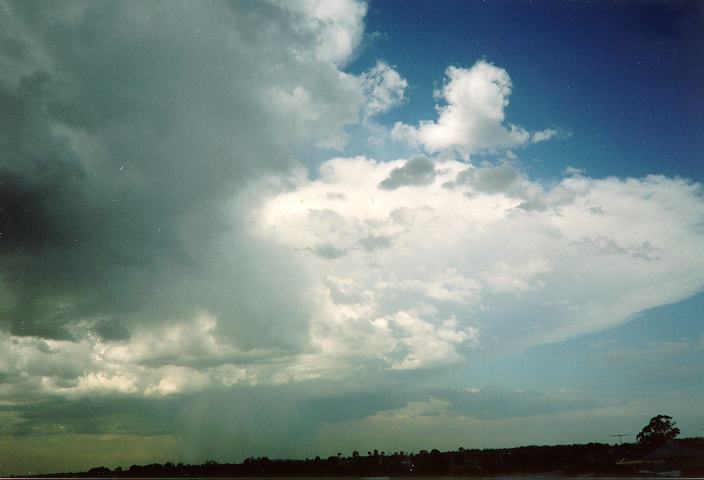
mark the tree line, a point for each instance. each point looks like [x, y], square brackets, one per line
[590, 458]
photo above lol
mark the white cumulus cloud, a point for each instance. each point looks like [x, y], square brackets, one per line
[472, 117]
[478, 259]
[384, 89]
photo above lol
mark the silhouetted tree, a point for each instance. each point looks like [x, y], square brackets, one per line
[658, 431]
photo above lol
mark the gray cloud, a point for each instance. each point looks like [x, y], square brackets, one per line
[130, 136]
[501, 178]
[415, 172]
[352, 406]
[98, 415]
[328, 251]
[126, 131]
[111, 330]
[375, 242]
[494, 403]
[496, 179]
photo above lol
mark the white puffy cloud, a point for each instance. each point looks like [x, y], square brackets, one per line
[335, 25]
[184, 357]
[178, 380]
[427, 343]
[480, 259]
[384, 89]
[92, 383]
[472, 118]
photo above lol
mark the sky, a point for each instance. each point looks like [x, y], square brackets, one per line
[288, 229]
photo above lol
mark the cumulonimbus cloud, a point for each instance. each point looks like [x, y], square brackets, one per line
[167, 265]
[127, 130]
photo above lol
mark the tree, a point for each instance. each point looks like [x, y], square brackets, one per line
[658, 431]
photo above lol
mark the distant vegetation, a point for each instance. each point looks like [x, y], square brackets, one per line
[656, 452]
[592, 458]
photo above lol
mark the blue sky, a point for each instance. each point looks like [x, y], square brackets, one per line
[233, 229]
[622, 79]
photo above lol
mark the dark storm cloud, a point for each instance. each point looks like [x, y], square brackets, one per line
[12, 48]
[42, 187]
[125, 132]
[416, 171]
[355, 406]
[99, 415]
[39, 174]
[241, 421]
[209, 419]
[111, 330]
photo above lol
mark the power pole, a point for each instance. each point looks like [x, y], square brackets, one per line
[620, 436]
